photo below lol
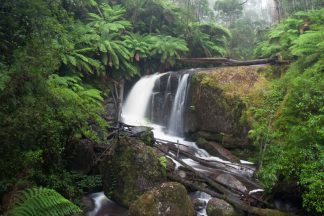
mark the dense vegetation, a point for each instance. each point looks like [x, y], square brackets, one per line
[60, 58]
[289, 127]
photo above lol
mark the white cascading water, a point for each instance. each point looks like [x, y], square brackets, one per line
[99, 198]
[175, 125]
[134, 109]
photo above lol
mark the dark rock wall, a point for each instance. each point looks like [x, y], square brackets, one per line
[217, 104]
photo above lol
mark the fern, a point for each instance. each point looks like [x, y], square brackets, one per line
[289, 38]
[167, 48]
[207, 39]
[138, 45]
[42, 201]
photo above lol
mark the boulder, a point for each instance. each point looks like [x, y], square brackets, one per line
[144, 133]
[219, 207]
[169, 199]
[218, 102]
[198, 204]
[133, 169]
[216, 149]
[230, 181]
[226, 140]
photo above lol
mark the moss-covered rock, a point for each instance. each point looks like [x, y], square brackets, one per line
[218, 102]
[132, 170]
[145, 134]
[218, 207]
[169, 199]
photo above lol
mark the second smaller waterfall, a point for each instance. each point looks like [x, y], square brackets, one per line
[176, 121]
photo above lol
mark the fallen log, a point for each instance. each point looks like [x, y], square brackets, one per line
[210, 163]
[227, 195]
[231, 62]
[236, 202]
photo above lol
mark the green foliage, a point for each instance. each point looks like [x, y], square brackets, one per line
[207, 39]
[163, 163]
[70, 184]
[139, 45]
[50, 52]
[289, 121]
[296, 30]
[167, 48]
[42, 201]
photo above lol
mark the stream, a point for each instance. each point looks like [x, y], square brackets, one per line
[139, 110]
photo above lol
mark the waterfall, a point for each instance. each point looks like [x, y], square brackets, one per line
[155, 97]
[142, 97]
[175, 125]
[135, 107]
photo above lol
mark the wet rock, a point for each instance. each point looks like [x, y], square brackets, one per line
[218, 102]
[170, 165]
[225, 140]
[198, 204]
[169, 199]
[218, 207]
[230, 181]
[110, 108]
[145, 134]
[132, 170]
[88, 204]
[216, 149]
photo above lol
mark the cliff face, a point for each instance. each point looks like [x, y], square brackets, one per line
[218, 101]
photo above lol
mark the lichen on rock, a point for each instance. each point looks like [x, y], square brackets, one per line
[218, 102]
[219, 207]
[169, 199]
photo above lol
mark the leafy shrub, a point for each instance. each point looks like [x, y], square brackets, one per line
[289, 121]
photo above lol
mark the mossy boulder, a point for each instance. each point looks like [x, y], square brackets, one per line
[145, 134]
[133, 169]
[169, 199]
[219, 99]
[219, 207]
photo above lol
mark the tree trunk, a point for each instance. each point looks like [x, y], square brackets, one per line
[120, 100]
[229, 62]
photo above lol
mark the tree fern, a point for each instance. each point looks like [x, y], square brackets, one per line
[138, 45]
[42, 201]
[167, 48]
[207, 39]
[109, 19]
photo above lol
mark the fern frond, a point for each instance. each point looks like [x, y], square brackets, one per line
[42, 201]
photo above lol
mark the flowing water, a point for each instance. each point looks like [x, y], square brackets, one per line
[135, 107]
[175, 126]
[138, 110]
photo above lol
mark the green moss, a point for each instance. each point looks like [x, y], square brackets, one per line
[132, 170]
[147, 137]
[169, 199]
